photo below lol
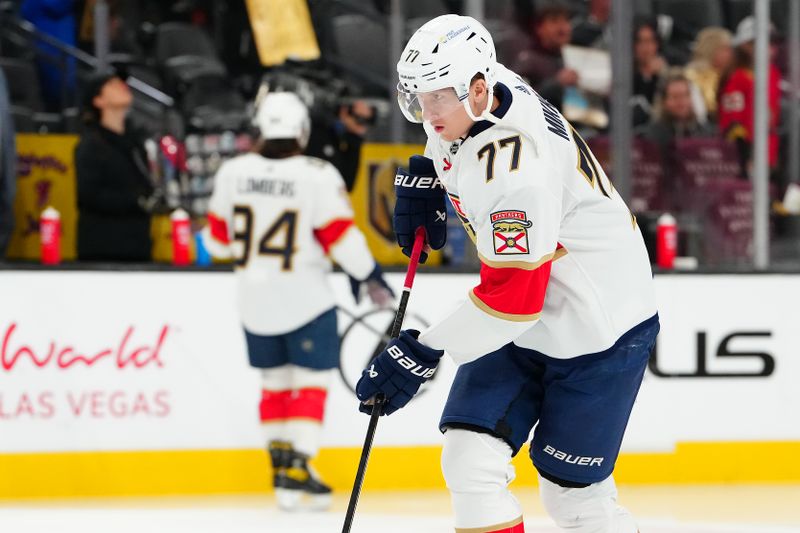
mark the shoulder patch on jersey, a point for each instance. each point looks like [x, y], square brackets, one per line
[510, 232]
[733, 102]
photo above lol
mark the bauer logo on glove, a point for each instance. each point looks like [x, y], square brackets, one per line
[401, 179]
[420, 203]
[409, 364]
[397, 372]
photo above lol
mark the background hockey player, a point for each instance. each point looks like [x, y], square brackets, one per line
[558, 332]
[282, 217]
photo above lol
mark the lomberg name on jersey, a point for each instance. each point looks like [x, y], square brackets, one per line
[266, 186]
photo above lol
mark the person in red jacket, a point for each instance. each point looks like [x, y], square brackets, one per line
[737, 98]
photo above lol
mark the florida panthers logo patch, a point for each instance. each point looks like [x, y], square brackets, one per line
[510, 229]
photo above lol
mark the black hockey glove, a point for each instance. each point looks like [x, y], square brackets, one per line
[378, 290]
[397, 372]
[420, 202]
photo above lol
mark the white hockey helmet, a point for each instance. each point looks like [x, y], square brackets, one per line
[446, 52]
[282, 115]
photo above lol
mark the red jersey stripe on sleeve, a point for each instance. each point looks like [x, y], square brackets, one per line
[328, 235]
[219, 228]
[515, 294]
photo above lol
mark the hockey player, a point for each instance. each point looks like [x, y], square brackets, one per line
[282, 217]
[558, 332]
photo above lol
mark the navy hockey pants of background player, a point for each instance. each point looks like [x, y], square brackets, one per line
[581, 405]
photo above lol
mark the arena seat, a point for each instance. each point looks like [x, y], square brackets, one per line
[186, 52]
[424, 8]
[727, 221]
[648, 187]
[23, 83]
[24, 92]
[697, 162]
[691, 14]
[23, 119]
[361, 43]
[736, 10]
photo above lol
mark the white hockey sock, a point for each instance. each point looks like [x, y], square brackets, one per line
[306, 408]
[591, 509]
[477, 470]
[275, 393]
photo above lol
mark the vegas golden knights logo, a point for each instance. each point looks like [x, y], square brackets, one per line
[510, 230]
[381, 197]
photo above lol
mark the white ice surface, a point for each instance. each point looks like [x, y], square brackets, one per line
[267, 520]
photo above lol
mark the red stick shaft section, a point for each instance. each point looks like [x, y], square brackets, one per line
[416, 251]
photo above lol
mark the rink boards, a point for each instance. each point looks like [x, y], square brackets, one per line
[138, 383]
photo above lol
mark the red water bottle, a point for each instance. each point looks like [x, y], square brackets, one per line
[666, 241]
[50, 234]
[181, 236]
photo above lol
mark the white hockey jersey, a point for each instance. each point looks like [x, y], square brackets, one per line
[280, 220]
[564, 269]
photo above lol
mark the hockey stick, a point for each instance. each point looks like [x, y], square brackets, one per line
[377, 407]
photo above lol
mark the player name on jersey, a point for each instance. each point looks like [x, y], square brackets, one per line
[266, 186]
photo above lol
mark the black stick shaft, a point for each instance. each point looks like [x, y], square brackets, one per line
[373, 426]
[377, 407]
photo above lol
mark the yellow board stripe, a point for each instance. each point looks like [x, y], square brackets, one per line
[85, 474]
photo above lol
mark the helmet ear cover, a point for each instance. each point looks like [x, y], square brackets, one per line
[486, 113]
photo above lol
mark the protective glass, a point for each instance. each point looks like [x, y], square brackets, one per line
[419, 107]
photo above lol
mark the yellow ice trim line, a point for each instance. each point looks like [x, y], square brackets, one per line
[153, 473]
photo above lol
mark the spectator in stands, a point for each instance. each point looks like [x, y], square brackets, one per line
[543, 64]
[114, 186]
[122, 33]
[593, 30]
[649, 67]
[712, 56]
[56, 19]
[8, 170]
[736, 98]
[338, 140]
[673, 114]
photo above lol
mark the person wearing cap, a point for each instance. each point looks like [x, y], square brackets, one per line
[114, 185]
[737, 97]
[283, 217]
